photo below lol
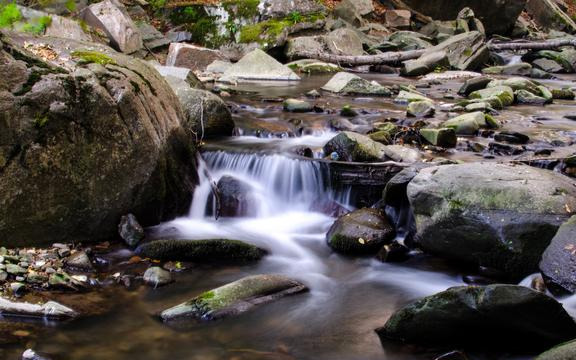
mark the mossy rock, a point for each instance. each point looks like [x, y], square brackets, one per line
[92, 57]
[202, 251]
[235, 298]
[504, 93]
[385, 134]
[469, 124]
[440, 137]
[352, 146]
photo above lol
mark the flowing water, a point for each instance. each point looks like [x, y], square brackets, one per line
[348, 298]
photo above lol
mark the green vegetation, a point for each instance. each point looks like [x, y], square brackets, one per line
[38, 26]
[40, 121]
[90, 56]
[70, 5]
[9, 14]
[268, 31]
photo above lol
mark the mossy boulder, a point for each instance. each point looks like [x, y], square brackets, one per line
[516, 83]
[201, 251]
[309, 66]
[360, 232]
[563, 94]
[235, 298]
[469, 124]
[494, 215]
[421, 109]
[86, 142]
[407, 97]
[481, 317]
[504, 93]
[445, 137]
[528, 98]
[344, 83]
[565, 351]
[385, 133]
[352, 146]
[558, 261]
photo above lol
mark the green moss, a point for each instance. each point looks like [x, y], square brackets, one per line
[242, 8]
[90, 56]
[38, 26]
[40, 121]
[33, 78]
[9, 14]
[207, 295]
[268, 31]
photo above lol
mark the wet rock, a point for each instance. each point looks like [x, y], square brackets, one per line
[236, 198]
[79, 261]
[527, 98]
[421, 109]
[30, 354]
[566, 351]
[516, 83]
[385, 133]
[445, 137]
[235, 298]
[504, 93]
[425, 64]
[558, 261]
[347, 111]
[17, 288]
[295, 105]
[354, 147]
[512, 137]
[407, 97]
[477, 316]
[156, 276]
[309, 66]
[548, 65]
[520, 69]
[130, 230]
[50, 310]
[192, 57]
[360, 232]
[504, 149]
[349, 84]
[112, 18]
[474, 84]
[494, 215]
[402, 153]
[465, 51]
[393, 252]
[257, 65]
[563, 94]
[202, 251]
[469, 124]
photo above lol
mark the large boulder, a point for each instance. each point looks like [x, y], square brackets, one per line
[192, 57]
[360, 232]
[558, 263]
[482, 316]
[236, 197]
[235, 298]
[111, 17]
[257, 65]
[90, 136]
[351, 146]
[494, 215]
[466, 51]
[345, 83]
[281, 9]
[341, 41]
[498, 16]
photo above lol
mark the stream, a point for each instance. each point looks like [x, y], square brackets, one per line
[348, 298]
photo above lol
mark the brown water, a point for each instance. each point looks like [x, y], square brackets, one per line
[349, 298]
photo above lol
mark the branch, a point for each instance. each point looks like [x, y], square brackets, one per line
[535, 45]
[389, 57]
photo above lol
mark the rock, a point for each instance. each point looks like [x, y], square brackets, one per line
[15, 269]
[59, 26]
[49, 310]
[407, 97]
[207, 114]
[295, 105]
[218, 66]
[476, 316]
[504, 93]
[257, 65]
[565, 351]
[548, 14]
[493, 215]
[360, 232]
[309, 66]
[558, 261]
[236, 198]
[526, 97]
[399, 19]
[409, 40]
[520, 69]
[445, 138]
[296, 45]
[548, 65]
[469, 124]
[156, 276]
[393, 252]
[473, 85]
[351, 146]
[350, 13]
[563, 94]
[112, 18]
[95, 134]
[425, 64]
[344, 41]
[202, 251]
[516, 83]
[235, 298]
[512, 137]
[180, 73]
[465, 51]
[497, 16]
[192, 57]
[401, 153]
[79, 261]
[349, 84]
[152, 38]
[130, 230]
[421, 109]
[30, 354]
[280, 9]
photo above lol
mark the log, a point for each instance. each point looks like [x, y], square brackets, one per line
[532, 45]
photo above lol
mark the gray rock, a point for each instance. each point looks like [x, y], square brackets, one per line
[309, 66]
[469, 124]
[398, 19]
[504, 93]
[477, 316]
[49, 310]
[281, 9]
[218, 66]
[425, 64]
[494, 215]
[130, 230]
[360, 232]
[401, 153]
[192, 57]
[257, 65]
[181, 73]
[111, 17]
[30, 354]
[420, 109]
[202, 251]
[521, 69]
[558, 261]
[410, 40]
[152, 38]
[565, 351]
[474, 84]
[351, 146]
[79, 261]
[548, 65]
[548, 14]
[349, 84]
[344, 42]
[440, 137]
[295, 105]
[59, 26]
[156, 276]
[526, 97]
[466, 51]
[236, 198]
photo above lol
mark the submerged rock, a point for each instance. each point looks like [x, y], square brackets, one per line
[477, 316]
[493, 215]
[49, 310]
[156, 276]
[349, 84]
[257, 65]
[360, 232]
[202, 251]
[504, 93]
[295, 105]
[558, 263]
[352, 146]
[235, 298]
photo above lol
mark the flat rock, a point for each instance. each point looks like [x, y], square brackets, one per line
[49, 310]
